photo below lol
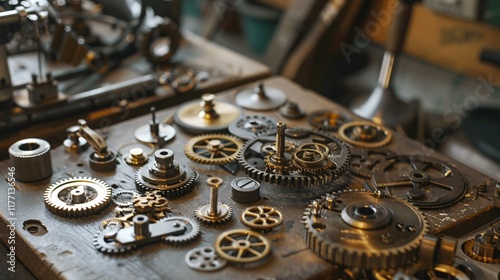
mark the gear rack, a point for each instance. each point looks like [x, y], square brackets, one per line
[55, 247]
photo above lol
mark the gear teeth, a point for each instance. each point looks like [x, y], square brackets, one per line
[344, 255]
[210, 158]
[344, 134]
[100, 246]
[191, 236]
[61, 208]
[216, 221]
[168, 193]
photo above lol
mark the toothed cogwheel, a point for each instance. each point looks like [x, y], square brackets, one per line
[173, 187]
[242, 246]
[261, 217]
[105, 242]
[362, 230]
[365, 134]
[77, 197]
[259, 166]
[327, 120]
[223, 215]
[363, 161]
[310, 161]
[213, 148]
[191, 234]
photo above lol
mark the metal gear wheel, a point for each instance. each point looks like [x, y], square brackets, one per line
[112, 223]
[360, 229]
[225, 212]
[124, 198]
[261, 217]
[213, 148]
[242, 246]
[485, 247]
[204, 259]
[77, 197]
[426, 182]
[258, 165]
[247, 127]
[311, 161]
[105, 242]
[191, 234]
[363, 161]
[327, 120]
[166, 175]
[365, 134]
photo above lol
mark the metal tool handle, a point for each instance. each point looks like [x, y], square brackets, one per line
[397, 33]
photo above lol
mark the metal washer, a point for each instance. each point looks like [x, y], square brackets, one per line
[246, 127]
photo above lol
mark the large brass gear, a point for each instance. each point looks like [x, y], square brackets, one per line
[360, 229]
[213, 148]
[260, 166]
[365, 134]
[77, 197]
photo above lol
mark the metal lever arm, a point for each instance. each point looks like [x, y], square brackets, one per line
[92, 137]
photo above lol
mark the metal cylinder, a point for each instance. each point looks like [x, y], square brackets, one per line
[31, 159]
[280, 140]
[141, 226]
[214, 197]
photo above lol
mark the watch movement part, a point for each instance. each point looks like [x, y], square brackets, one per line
[426, 182]
[124, 198]
[242, 246]
[136, 157]
[327, 120]
[77, 197]
[365, 134]
[204, 259]
[245, 190]
[31, 159]
[261, 217]
[101, 160]
[364, 160]
[364, 230]
[165, 174]
[191, 234]
[213, 148]
[485, 247]
[214, 213]
[154, 132]
[208, 116]
[261, 98]
[291, 110]
[74, 143]
[247, 127]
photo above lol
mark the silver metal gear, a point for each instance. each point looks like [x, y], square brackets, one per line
[104, 241]
[258, 166]
[204, 259]
[77, 197]
[364, 230]
[191, 234]
[213, 148]
[124, 198]
[247, 127]
[261, 217]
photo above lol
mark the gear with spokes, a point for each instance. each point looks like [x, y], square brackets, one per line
[365, 134]
[364, 230]
[426, 182]
[213, 148]
[261, 217]
[77, 197]
[242, 246]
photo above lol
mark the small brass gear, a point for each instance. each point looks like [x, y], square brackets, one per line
[213, 148]
[365, 134]
[77, 197]
[470, 245]
[112, 223]
[327, 120]
[225, 212]
[261, 217]
[324, 149]
[311, 161]
[242, 246]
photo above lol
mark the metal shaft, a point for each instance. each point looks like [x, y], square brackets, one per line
[280, 140]
[214, 197]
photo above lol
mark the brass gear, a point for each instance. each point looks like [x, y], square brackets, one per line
[112, 223]
[315, 146]
[261, 217]
[327, 120]
[360, 229]
[171, 191]
[242, 246]
[77, 197]
[468, 248]
[365, 134]
[310, 161]
[213, 148]
[225, 213]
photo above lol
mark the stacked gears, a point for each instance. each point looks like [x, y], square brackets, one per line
[326, 120]
[166, 175]
[77, 197]
[364, 230]
[485, 247]
[294, 157]
[426, 182]
[365, 134]
[215, 149]
[214, 213]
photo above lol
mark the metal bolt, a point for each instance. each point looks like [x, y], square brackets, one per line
[330, 201]
[214, 183]
[77, 195]
[164, 159]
